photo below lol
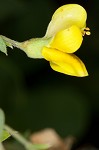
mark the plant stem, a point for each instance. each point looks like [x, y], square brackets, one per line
[32, 47]
[12, 42]
[19, 138]
[1, 147]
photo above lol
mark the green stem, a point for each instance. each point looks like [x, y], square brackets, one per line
[12, 42]
[33, 47]
[19, 138]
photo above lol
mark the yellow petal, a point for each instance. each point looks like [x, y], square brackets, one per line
[66, 16]
[68, 40]
[65, 63]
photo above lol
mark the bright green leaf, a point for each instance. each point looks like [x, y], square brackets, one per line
[39, 146]
[2, 121]
[3, 46]
[4, 136]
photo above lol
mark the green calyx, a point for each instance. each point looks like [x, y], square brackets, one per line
[33, 47]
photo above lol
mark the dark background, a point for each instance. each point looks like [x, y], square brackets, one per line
[34, 96]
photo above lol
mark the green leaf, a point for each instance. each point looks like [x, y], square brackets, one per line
[4, 136]
[3, 46]
[2, 121]
[39, 146]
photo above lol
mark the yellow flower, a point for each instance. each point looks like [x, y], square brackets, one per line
[63, 37]
[67, 28]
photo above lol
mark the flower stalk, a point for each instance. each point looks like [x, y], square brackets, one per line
[32, 48]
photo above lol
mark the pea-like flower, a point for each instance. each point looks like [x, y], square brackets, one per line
[68, 25]
[63, 37]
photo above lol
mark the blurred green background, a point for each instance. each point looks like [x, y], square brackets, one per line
[34, 96]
